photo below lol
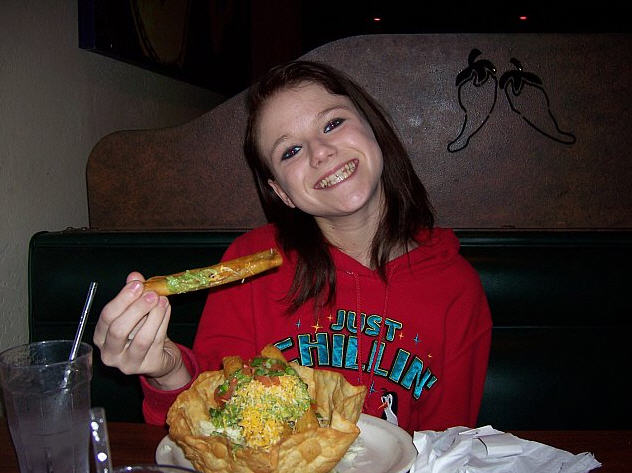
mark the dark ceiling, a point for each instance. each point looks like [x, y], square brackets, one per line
[228, 43]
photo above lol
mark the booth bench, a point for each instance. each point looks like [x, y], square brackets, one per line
[560, 305]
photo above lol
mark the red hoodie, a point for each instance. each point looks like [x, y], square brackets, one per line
[424, 336]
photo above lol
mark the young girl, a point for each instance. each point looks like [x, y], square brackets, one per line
[368, 287]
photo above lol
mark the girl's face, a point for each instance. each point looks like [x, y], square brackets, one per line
[322, 153]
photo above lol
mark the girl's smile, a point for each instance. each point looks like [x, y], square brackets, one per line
[336, 177]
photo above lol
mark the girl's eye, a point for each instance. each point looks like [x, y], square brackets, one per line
[290, 152]
[336, 122]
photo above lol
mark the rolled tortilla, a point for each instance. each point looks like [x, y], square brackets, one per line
[209, 276]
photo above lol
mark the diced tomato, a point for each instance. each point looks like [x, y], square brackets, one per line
[222, 398]
[277, 365]
[263, 367]
[268, 380]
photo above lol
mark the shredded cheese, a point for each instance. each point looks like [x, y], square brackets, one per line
[261, 414]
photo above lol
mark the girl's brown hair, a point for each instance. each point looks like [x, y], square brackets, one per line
[407, 208]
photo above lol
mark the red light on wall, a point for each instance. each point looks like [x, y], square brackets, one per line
[377, 19]
[523, 18]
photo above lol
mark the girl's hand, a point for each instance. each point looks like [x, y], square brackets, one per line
[131, 334]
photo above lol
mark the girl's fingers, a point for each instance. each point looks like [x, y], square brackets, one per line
[119, 329]
[127, 296]
[136, 328]
[161, 334]
[135, 276]
[132, 329]
[113, 310]
[149, 332]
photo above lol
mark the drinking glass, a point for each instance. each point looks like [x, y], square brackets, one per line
[47, 401]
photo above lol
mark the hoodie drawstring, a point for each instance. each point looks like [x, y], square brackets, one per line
[380, 338]
[358, 326]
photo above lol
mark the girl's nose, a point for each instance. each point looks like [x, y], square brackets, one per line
[320, 151]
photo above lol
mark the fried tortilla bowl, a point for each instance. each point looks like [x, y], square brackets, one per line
[309, 449]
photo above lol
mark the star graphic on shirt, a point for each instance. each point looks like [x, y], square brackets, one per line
[401, 335]
[330, 318]
[372, 387]
[316, 327]
[298, 323]
[416, 339]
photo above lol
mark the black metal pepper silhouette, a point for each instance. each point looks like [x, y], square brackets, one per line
[527, 98]
[477, 97]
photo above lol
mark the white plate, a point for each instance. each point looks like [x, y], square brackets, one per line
[381, 447]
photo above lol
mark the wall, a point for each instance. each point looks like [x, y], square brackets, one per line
[505, 131]
[57, 101]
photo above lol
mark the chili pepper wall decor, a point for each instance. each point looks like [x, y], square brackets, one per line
[477, 95]
[477, 87]
[527, 97]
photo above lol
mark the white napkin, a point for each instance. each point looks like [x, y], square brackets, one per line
[487, 450]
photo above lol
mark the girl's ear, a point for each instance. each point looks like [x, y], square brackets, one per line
[281, 193]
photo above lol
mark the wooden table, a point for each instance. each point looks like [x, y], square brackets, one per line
[136, 443]
[131, 444]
